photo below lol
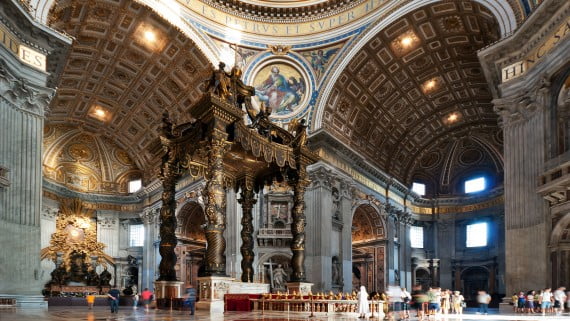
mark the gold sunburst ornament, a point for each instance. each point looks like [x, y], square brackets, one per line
[75, 234]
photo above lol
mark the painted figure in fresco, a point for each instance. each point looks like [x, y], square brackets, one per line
[320, 58]
[279, 93]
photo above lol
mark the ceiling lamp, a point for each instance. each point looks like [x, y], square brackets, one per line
[405, 43]
[150, 37]
[432, 85]
[452, 118]
[100, 113]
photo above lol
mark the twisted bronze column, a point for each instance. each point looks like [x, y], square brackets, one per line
[169, 174]
[215, 205]
[299, 184]
[247, 201]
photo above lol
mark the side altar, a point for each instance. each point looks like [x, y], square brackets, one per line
[219, 146]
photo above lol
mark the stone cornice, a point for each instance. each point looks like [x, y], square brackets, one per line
[548, 16]
[52, 190]
[38, 36]
[321, 139]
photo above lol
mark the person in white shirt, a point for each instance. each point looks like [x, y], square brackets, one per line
[406, 298]
[559, 299]
[483, 299]
[546, 303]
[363, 307]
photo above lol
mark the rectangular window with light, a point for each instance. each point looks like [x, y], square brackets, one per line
[417, 237]
[476, 235]
[136, 236]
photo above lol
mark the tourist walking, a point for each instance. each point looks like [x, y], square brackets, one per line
[483, 299]
[419, 298]
[191, 298]
[135, 300]
[146, 297]
[363, 306]
[406, 298]
[458, 301]
[546, 300]
[559, 299]
[114, 296]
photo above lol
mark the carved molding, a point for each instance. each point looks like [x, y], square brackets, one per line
[23, 95]
[49, 213]
[513, 110]
[107, 222]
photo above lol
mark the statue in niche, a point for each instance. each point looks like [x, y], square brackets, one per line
[336, 271]
[105, 278]
[279, 277]
[336, 203]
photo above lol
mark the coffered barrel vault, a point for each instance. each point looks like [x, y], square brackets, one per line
[116, 82]
[414, 85]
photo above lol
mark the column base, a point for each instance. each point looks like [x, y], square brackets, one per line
[168, 289]
[302, 288]
[213, 307]
[28, 301]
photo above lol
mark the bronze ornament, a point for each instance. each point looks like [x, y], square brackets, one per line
[230, 154]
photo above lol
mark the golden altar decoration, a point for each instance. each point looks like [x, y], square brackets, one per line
[76, 235]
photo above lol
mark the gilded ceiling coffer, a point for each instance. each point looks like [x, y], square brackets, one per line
[230, 154]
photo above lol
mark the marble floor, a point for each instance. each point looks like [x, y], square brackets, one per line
[126, 314]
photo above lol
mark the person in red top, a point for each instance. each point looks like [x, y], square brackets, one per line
[146, 297]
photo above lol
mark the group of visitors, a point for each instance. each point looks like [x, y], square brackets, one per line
[434, 301]
[437, 301]
[114, 296]
[147, 296]
[544, 301]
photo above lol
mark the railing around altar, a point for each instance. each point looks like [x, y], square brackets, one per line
[312, 305]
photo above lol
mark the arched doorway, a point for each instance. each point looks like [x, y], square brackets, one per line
[560, 252]
[474, 279]
[191, 243]
[368, 248]
[423, 278]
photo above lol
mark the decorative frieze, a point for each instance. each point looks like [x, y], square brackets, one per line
[149, 216]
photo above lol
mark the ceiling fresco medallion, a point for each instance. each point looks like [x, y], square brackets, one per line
[281, 85]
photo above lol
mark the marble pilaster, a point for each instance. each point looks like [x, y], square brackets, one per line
[24, 99]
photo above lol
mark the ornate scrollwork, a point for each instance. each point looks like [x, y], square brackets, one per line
[75, 235]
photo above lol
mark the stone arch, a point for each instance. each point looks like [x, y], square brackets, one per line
[367, 222]
[501, 10]
[276, 257]
[422, 277]
[191, 217]
[473, 279]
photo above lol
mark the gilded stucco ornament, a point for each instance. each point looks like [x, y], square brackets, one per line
[76, 234]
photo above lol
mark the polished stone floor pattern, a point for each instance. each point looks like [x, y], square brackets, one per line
[126, 314]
